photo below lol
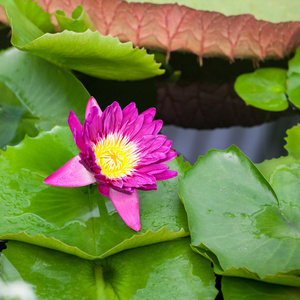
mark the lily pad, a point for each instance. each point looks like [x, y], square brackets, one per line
[246, 289]
[79, 22]
[293, 89]
[238, 221]
[267, 167]
[269, 10]
[294, 63]
[168, 269]
[88, 52]
[77, 220]
[35, 94]
[264, 88]
[293, 141]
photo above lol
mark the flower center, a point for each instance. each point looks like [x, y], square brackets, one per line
[116, 156]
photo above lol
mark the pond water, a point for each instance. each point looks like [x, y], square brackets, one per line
[259, 142]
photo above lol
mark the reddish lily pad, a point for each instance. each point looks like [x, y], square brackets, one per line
[77, 220]
[173, 27]
[269, 10]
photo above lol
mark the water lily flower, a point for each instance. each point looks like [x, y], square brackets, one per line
[121, 151]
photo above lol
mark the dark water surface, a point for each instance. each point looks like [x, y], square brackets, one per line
[259, 142]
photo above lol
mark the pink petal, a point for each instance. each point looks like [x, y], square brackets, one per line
[148, 187]
[77, 136]
[153, 169]
[130, 113]
[103, 190]
[132, 129]
[166, 175]
[149, 115]
[71, 174]
[74, 122]
[127, 205]
[91, 103]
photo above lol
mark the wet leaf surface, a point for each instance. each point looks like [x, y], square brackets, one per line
[169, 269]
[241, 222]
[77, 220]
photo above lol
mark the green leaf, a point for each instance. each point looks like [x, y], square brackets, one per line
[293, 86]
[246, 289]
[161, 271]
[294, 63]
[35, 94]
[269, 10]
[293, 141]
[264, 88]
[79, 22]
[89, 52]
[237, 220]
[77, 220]
[267, 167]
[293, 89]
[35, 16]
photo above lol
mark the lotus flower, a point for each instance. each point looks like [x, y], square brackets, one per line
[121, 151]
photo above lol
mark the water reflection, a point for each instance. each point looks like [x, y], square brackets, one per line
[207, 105]
[260, 142]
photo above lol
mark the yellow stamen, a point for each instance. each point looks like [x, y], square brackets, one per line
[116, 156]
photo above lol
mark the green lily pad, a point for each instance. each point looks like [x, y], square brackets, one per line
[15, 120]
[293, 89]
[35, 94]
[293, 141]
[293, 86]
[77, 220]
[294, 63]
[79, 22]
[88, 52]
[264, 88]
[246, 289]
[160, 271]
[238, 221]
[267, 167]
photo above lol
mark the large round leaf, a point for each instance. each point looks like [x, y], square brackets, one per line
[264, 89]
[166, 270]
[237, 220]
[89, 52]
[77, 220]
[35, 94]
[269, 10]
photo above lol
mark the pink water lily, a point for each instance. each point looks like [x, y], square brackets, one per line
[121, 151]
